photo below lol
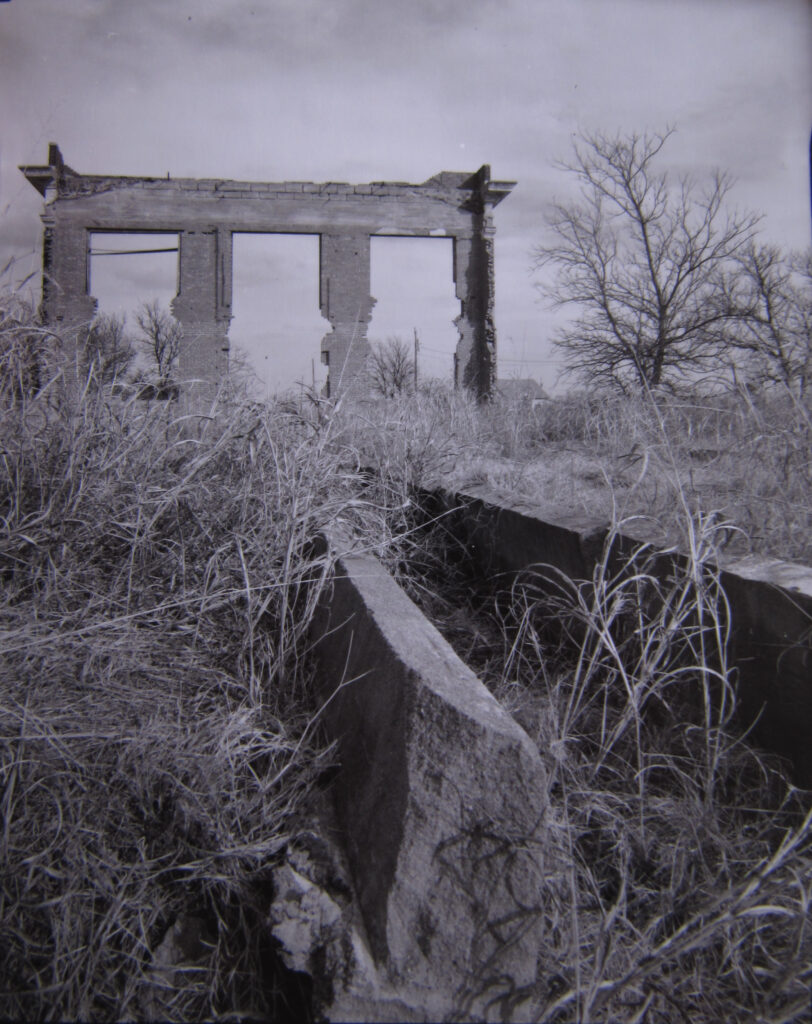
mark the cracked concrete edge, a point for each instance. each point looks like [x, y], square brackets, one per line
[441, 799]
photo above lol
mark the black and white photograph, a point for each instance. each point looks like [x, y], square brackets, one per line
[405, 503]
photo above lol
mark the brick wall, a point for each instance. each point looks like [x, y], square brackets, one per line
[205, 213]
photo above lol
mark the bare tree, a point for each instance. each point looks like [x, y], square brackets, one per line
[774, 293]
[391, 367]
[107, 352]
[644, 259]
[161, 336]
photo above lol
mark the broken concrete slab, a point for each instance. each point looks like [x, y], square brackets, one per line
[318, 931]
[442, 803]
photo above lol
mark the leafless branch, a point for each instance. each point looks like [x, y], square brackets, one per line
[161, 336]
[644, 260]
[391, 367]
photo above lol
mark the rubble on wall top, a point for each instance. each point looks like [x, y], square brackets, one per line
[68, 182]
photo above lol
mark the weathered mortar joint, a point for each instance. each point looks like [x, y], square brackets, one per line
[206, 212]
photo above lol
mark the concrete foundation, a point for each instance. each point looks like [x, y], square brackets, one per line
[205, 213]
[441, 800]
[770, 602]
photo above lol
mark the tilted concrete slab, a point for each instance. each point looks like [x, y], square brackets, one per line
[442, 801]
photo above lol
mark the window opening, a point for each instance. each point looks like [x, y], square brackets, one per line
[413, 284]
[127, 270]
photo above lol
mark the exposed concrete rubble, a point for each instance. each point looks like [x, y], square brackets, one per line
[185, 951]
[205, 213]
[441, 800]
[319, 932]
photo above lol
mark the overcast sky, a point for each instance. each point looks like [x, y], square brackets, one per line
[363, 90]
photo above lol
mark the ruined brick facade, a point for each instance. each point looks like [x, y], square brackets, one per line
[205, 212]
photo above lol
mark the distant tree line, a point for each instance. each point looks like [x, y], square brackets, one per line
[669, 285]
[107, 351]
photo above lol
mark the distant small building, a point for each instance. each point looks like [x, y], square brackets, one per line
[523, 390]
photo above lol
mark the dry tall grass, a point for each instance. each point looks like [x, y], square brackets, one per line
[689, 876]
[155, 741]
[746, 459]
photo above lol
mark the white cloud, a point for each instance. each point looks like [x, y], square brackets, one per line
[368, 89]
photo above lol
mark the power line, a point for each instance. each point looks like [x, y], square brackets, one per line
[503, 359]
[127, 252]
